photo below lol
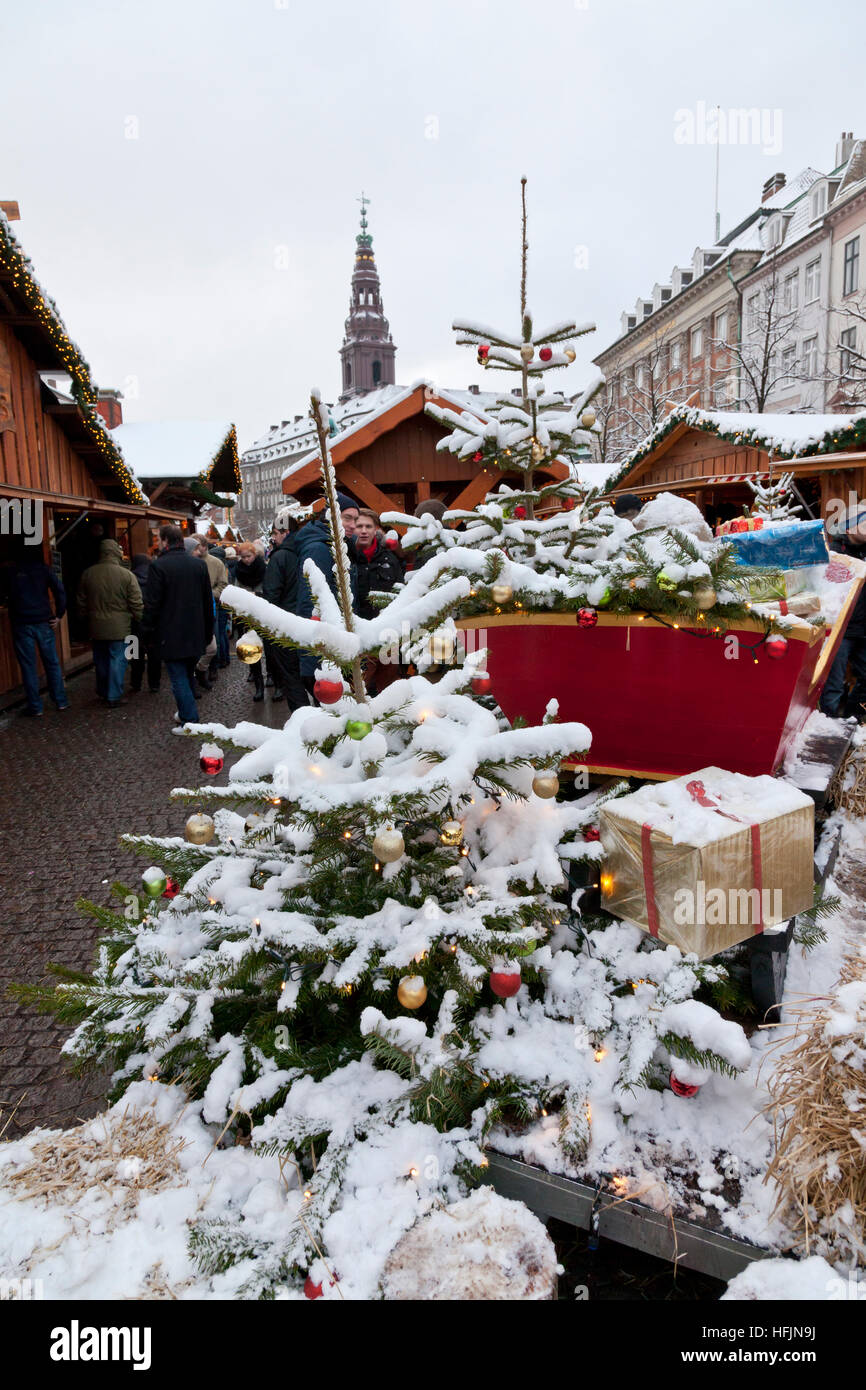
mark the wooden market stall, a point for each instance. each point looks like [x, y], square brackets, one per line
[63, 480]
[707, 455]
[389, 460]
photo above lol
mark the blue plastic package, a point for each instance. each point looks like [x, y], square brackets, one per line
[788, 547]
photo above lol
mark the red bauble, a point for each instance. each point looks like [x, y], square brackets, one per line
[392, 542]
[505, 986]
[586, 617]
[312, 1290]
[545, 354]
[483, 349]
[481, 685]
[171, 889]
[520, 512]
[328, 692]
[776, 647]
[591, 834]
[477, 457]
[682, 1088]
[211, 765]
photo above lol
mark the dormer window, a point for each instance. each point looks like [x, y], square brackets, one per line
[775, 232]
[818, 201]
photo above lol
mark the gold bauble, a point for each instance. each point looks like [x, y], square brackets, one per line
[412, 991]
[441, 647]
[588, 418]
[527, 352]
[537, 452]
[199, 829]
[502, 593]
[570, 354]
[545, 784]
[388, 845]
[705, 598]
[451, 833]
[249, 652]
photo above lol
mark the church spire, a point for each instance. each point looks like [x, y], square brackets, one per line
[368, 349]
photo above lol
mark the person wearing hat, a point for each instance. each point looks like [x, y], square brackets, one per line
[628, 506]
[848, 537]
[314, 543]
[280, 587]
[421, 554]
[109, 596]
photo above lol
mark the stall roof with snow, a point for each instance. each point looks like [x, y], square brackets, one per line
[388, 457]
[707, 455]
[189, 459]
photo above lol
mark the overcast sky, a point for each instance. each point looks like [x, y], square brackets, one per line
[188, 170]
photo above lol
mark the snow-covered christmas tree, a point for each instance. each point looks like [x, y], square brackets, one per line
[367, 951]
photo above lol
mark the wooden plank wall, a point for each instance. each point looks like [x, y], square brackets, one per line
[698, 455]
[36, 454]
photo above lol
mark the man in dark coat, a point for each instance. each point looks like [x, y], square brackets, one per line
[179, 611]
[836, 699]
[280, 587]
[24, 588]
[314, 543]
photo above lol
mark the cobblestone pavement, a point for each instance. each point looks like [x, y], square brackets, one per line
[72, 784]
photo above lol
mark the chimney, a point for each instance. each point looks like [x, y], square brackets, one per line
[774, 183]
[475, 390]
[109, 407]
[844, 146]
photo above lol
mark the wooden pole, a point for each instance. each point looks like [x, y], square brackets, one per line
[338, 538]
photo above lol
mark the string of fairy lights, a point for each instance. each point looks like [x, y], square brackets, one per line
[17, 270]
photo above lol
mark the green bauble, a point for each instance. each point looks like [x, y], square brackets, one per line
[666, 582]
[358, 728]
[604, 600]
[527, 949]
[154, 882]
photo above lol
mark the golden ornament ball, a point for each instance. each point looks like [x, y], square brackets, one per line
[249, 652]
[545, 784]
[527, 352]
[588, 418]
[706, 597]
[570, 354]
[502, 593]
[537, 453]
[412, 991]
[388, 845]
[451, 833]
[199, 829]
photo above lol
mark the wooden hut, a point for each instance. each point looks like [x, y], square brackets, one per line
[708, 455]
[60, 468]
[389, 461]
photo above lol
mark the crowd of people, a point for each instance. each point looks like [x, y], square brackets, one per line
[165, 611]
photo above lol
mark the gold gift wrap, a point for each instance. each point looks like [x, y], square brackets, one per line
[704, 861]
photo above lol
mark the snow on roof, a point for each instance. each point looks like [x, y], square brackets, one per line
[788, 436]
[171, 448]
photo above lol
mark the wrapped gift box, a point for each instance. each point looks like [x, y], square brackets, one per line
[707, 860]
[738, 524]
[790, 546]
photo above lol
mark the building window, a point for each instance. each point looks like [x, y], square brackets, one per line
[348, 374]
[847, 343]
[810, 357]
[812, 281]
[676, 356]
[819, 201]
[851, 273]
[377, 373]
[697, 343]
[722, 326]
[791, 291]
[640, 377]
[752, 313]
[789, 359]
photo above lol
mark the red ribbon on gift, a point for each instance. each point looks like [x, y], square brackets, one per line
[698, 793]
